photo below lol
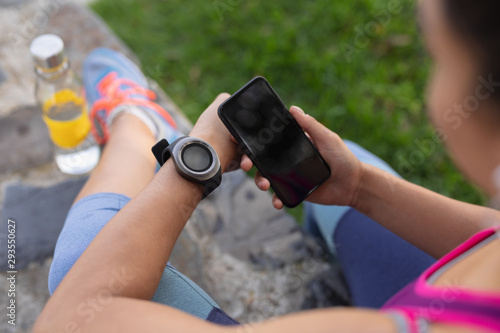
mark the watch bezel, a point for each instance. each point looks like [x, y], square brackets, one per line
[176, 153]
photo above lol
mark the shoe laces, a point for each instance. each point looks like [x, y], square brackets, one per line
[117, 91]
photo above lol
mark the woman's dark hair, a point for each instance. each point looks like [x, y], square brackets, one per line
[478, 22]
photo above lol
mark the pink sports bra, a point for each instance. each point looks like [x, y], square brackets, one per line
[420, 303]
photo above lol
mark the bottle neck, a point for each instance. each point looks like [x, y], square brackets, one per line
[53, 73]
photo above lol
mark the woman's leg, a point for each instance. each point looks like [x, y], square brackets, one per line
[125, 168]
[126, 164]
[376, 263]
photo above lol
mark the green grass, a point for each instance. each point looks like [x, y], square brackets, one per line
[198, 48]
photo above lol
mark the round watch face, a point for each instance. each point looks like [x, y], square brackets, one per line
[196, 157]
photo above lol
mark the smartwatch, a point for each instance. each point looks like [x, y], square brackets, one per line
[194, 159]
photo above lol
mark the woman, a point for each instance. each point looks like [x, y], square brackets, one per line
[109, 287]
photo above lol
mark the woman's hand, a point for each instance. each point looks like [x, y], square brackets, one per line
[210, 128]
[340, 188]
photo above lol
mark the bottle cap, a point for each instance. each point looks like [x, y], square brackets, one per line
[48, 51]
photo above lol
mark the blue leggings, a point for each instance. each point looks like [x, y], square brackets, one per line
[376, 263]
[86, 218]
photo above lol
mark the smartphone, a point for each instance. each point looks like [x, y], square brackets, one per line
[277, 146]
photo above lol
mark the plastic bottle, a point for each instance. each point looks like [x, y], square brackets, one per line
[64, 110]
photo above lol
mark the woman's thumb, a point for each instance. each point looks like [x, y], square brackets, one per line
[314, 128]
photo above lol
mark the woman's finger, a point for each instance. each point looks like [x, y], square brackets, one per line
[246, 163]
[261, 182]
[317, 132]
[277, 203]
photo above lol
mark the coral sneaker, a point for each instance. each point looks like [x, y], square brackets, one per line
[113, 85]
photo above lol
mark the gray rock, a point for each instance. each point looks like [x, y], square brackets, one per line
[247, 216]
[24, 140]
[31, 295]
[327, 289]
[3, 76]
[39, 214]
[247, 292]
[7, 3]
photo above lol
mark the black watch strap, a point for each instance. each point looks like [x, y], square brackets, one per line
[162, 154]
[158, 149]
[211, 184]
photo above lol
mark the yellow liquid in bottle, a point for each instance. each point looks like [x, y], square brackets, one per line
[65, 114]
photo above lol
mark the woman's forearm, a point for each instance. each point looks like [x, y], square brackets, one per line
[128, 256]
[431, 221]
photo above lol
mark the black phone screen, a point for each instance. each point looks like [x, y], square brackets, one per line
[259, 120]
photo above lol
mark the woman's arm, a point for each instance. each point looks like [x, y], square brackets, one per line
[127, 315]
[431, 221]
